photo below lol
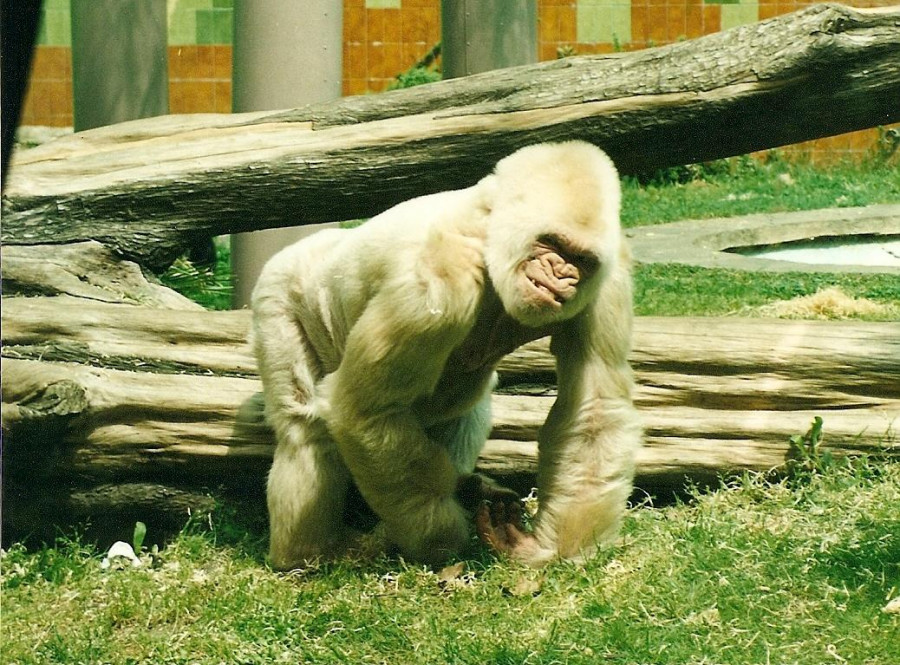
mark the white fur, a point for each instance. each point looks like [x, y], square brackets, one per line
[353, 332]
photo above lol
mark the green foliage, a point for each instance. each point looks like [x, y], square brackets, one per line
[137, 540]
[805, 455]
[741, 185]
[415, 76]
[756, 571]
[424, 71]
[683, 290]
[208, 285]
[746, 185]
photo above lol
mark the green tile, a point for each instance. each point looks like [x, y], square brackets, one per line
[223, 26]
[741, 14]
[41, 39]
[183, 20]
[721, 2]
[206, 29]
[603, 21]
[223, 4]
[214, 26]
[382, 4]
[56, 28]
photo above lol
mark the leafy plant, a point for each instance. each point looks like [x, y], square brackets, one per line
[424, 71]
[805, 452]
[413, 77]
[137, 540]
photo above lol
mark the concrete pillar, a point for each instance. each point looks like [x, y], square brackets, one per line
[119, 61]
[480, 35]
[286, 54]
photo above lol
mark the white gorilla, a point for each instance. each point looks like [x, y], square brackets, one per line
[377, 348]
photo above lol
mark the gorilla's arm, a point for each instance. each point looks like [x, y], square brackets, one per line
[395, 355]
[587, 445]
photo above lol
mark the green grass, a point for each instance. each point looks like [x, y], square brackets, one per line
[797, 571]
[745, 186]
[756, 572]
[724, 188]
[681, 290]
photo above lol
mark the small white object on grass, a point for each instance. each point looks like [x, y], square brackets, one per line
[120, 550]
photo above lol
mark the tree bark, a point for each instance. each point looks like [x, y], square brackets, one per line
[156, 404]
[825, 70]
[120, 397]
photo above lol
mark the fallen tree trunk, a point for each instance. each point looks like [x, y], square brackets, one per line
[825, 70]
[116, 407]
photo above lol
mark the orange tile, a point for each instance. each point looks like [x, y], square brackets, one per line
[393, 25]
[656, 24]
[40, 63]
[547, 51]
[639, 24]
[222, 64]
[354, 24]
[203, 94]
[375, 25]
[408, 57]
[356, 63]
[182, 62]
[206, 61]
[60, 62]
[787, 7]
[712, 19]
[548, 24]
[412, 24]
[767, 10]
[421, 25]
[393, 59]
[567, 31]
[33, 95]
[51, 63]
[414, 52]
[172, 61]
[175, 97]
[375, 55]
[432, 27]
[53, 97]
[356, 87]
[676, 22]
[693, 21]
[376, 84]
[222, 103]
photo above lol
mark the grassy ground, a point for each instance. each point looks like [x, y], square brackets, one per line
[791, 572]
[744, 186]
[722, 189]
[801, 571]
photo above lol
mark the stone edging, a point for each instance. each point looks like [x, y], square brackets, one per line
[703, 242]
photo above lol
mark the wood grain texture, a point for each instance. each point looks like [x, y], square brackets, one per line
[148, 188]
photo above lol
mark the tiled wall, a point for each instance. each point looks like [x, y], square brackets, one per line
[385, 37]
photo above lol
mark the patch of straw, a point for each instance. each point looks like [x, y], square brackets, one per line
[828, 303]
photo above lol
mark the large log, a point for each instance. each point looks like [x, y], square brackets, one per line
[153, 404]
[753, 87]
